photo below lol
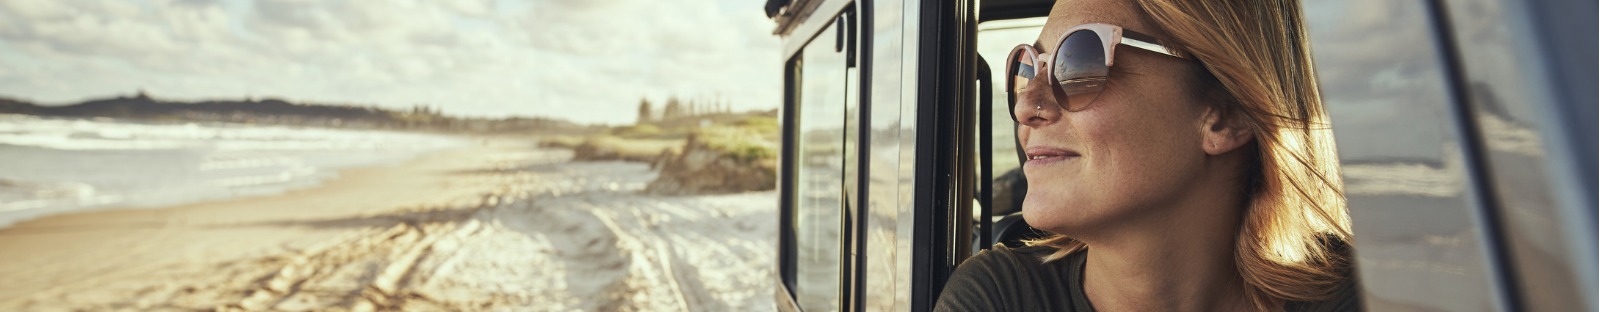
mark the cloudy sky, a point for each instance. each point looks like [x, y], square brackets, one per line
[588, 61]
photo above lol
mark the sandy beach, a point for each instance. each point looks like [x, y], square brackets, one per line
[498, 225]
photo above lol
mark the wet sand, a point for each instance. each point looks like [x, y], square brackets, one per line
[497, 226]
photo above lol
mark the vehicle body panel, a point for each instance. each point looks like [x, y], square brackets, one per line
[1470, 185]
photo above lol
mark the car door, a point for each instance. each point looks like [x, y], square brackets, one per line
[1466, 190]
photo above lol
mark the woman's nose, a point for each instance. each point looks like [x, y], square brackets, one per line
[1036, 105]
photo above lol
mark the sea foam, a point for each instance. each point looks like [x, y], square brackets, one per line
[61, 165]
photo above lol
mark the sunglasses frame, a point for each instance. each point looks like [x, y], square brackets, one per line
[1110, 37]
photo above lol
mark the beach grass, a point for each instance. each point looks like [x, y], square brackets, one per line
[561, 141]
[633, 149]
[746, 137]
[754, 138]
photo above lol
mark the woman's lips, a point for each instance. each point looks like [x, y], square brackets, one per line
[1040, 155]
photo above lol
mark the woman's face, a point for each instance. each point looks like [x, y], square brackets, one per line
[1123, 158]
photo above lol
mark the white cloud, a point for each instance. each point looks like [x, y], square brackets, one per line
[590, 61]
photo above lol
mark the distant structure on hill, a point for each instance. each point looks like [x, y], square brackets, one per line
[677, 110]
[644, 111]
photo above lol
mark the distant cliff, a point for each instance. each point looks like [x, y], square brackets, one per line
[279, 112]
[739, 156]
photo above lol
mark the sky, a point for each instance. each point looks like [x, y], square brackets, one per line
[586, 61]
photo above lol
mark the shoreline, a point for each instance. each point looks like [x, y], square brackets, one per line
[341, 173]
[70, 166]
[63, 251]
[310, 182]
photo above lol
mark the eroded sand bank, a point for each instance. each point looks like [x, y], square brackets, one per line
[499, 226]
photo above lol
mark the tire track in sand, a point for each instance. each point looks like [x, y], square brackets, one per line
[380, 261]
[658, 272]
[583, 240]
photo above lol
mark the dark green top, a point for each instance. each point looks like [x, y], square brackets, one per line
[1005, 279]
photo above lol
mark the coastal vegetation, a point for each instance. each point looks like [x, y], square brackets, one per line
[740, 156]
[695, 150]
[269, 111]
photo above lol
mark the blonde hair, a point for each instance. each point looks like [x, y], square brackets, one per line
[1257, 51]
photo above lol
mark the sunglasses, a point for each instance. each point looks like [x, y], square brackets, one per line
[1080, 67]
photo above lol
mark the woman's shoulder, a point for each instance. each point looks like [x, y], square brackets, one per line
[1021, 257]
[1002, 261]
[1010, 279]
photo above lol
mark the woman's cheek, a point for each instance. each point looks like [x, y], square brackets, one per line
[1022, 135]
[1119, 152]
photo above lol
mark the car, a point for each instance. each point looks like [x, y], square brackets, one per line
[1466, 133]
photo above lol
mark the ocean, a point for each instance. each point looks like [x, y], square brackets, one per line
[52, 166]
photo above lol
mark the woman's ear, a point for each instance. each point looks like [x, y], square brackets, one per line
[1225, 130]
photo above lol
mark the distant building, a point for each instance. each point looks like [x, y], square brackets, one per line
[644, 111]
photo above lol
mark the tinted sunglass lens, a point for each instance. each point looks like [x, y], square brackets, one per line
[1081, 55]
[1018, 74]
[1080, 66]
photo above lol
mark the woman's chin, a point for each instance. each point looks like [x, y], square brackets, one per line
[1046, 215]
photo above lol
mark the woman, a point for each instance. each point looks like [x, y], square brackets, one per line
[1180, 152]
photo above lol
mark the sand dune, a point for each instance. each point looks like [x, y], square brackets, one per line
[500, 226]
